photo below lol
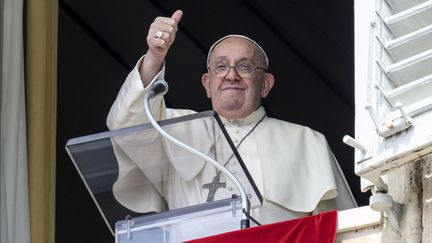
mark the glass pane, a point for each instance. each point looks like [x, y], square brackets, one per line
[134, 171]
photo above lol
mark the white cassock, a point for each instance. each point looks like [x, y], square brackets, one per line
[291, 164]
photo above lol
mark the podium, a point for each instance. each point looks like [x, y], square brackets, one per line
[149, 190]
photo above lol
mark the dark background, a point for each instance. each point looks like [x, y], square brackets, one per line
[310, 44]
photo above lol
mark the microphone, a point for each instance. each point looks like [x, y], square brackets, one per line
[159, 87]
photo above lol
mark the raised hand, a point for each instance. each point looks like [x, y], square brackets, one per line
[162, 34]
[160, 37]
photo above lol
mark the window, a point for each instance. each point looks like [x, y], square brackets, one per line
[393, 63]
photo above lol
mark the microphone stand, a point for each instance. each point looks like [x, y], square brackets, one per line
[161, 87]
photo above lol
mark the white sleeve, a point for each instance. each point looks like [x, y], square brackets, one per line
[128, 108]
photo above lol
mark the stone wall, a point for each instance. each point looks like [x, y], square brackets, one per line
[411, 188]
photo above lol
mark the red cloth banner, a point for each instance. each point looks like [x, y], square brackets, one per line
[319, 228]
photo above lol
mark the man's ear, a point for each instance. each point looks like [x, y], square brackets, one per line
[205, 79]
[267, 85]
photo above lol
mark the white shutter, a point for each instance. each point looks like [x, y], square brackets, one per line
[393, 78]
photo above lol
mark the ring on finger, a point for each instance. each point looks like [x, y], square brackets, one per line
[159, 34]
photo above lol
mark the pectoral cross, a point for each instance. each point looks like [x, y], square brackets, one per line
[213, 187]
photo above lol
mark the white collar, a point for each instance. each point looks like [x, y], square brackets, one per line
[252, 118]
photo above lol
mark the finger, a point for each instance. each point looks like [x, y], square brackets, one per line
[177, 15]
[160, 44]
[165, 20]
[166, 36]
[162, 27]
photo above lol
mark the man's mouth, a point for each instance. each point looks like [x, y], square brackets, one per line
[232, 88]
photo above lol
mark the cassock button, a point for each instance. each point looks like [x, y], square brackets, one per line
[235, 140]
[230, 188]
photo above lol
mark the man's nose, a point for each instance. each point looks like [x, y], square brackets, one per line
[232, 73]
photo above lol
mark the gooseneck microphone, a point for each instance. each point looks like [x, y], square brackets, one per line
[159, 87]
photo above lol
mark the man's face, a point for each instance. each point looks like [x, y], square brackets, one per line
[237, 95]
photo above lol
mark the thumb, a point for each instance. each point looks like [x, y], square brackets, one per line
[177, 15]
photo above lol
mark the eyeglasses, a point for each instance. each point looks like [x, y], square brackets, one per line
[244, 69]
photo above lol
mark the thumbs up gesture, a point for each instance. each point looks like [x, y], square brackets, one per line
[160, 37]
[162, 33]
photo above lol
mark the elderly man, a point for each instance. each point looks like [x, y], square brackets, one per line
[291, 164]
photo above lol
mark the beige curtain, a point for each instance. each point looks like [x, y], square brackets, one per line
[41, 74]
[14, 209]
